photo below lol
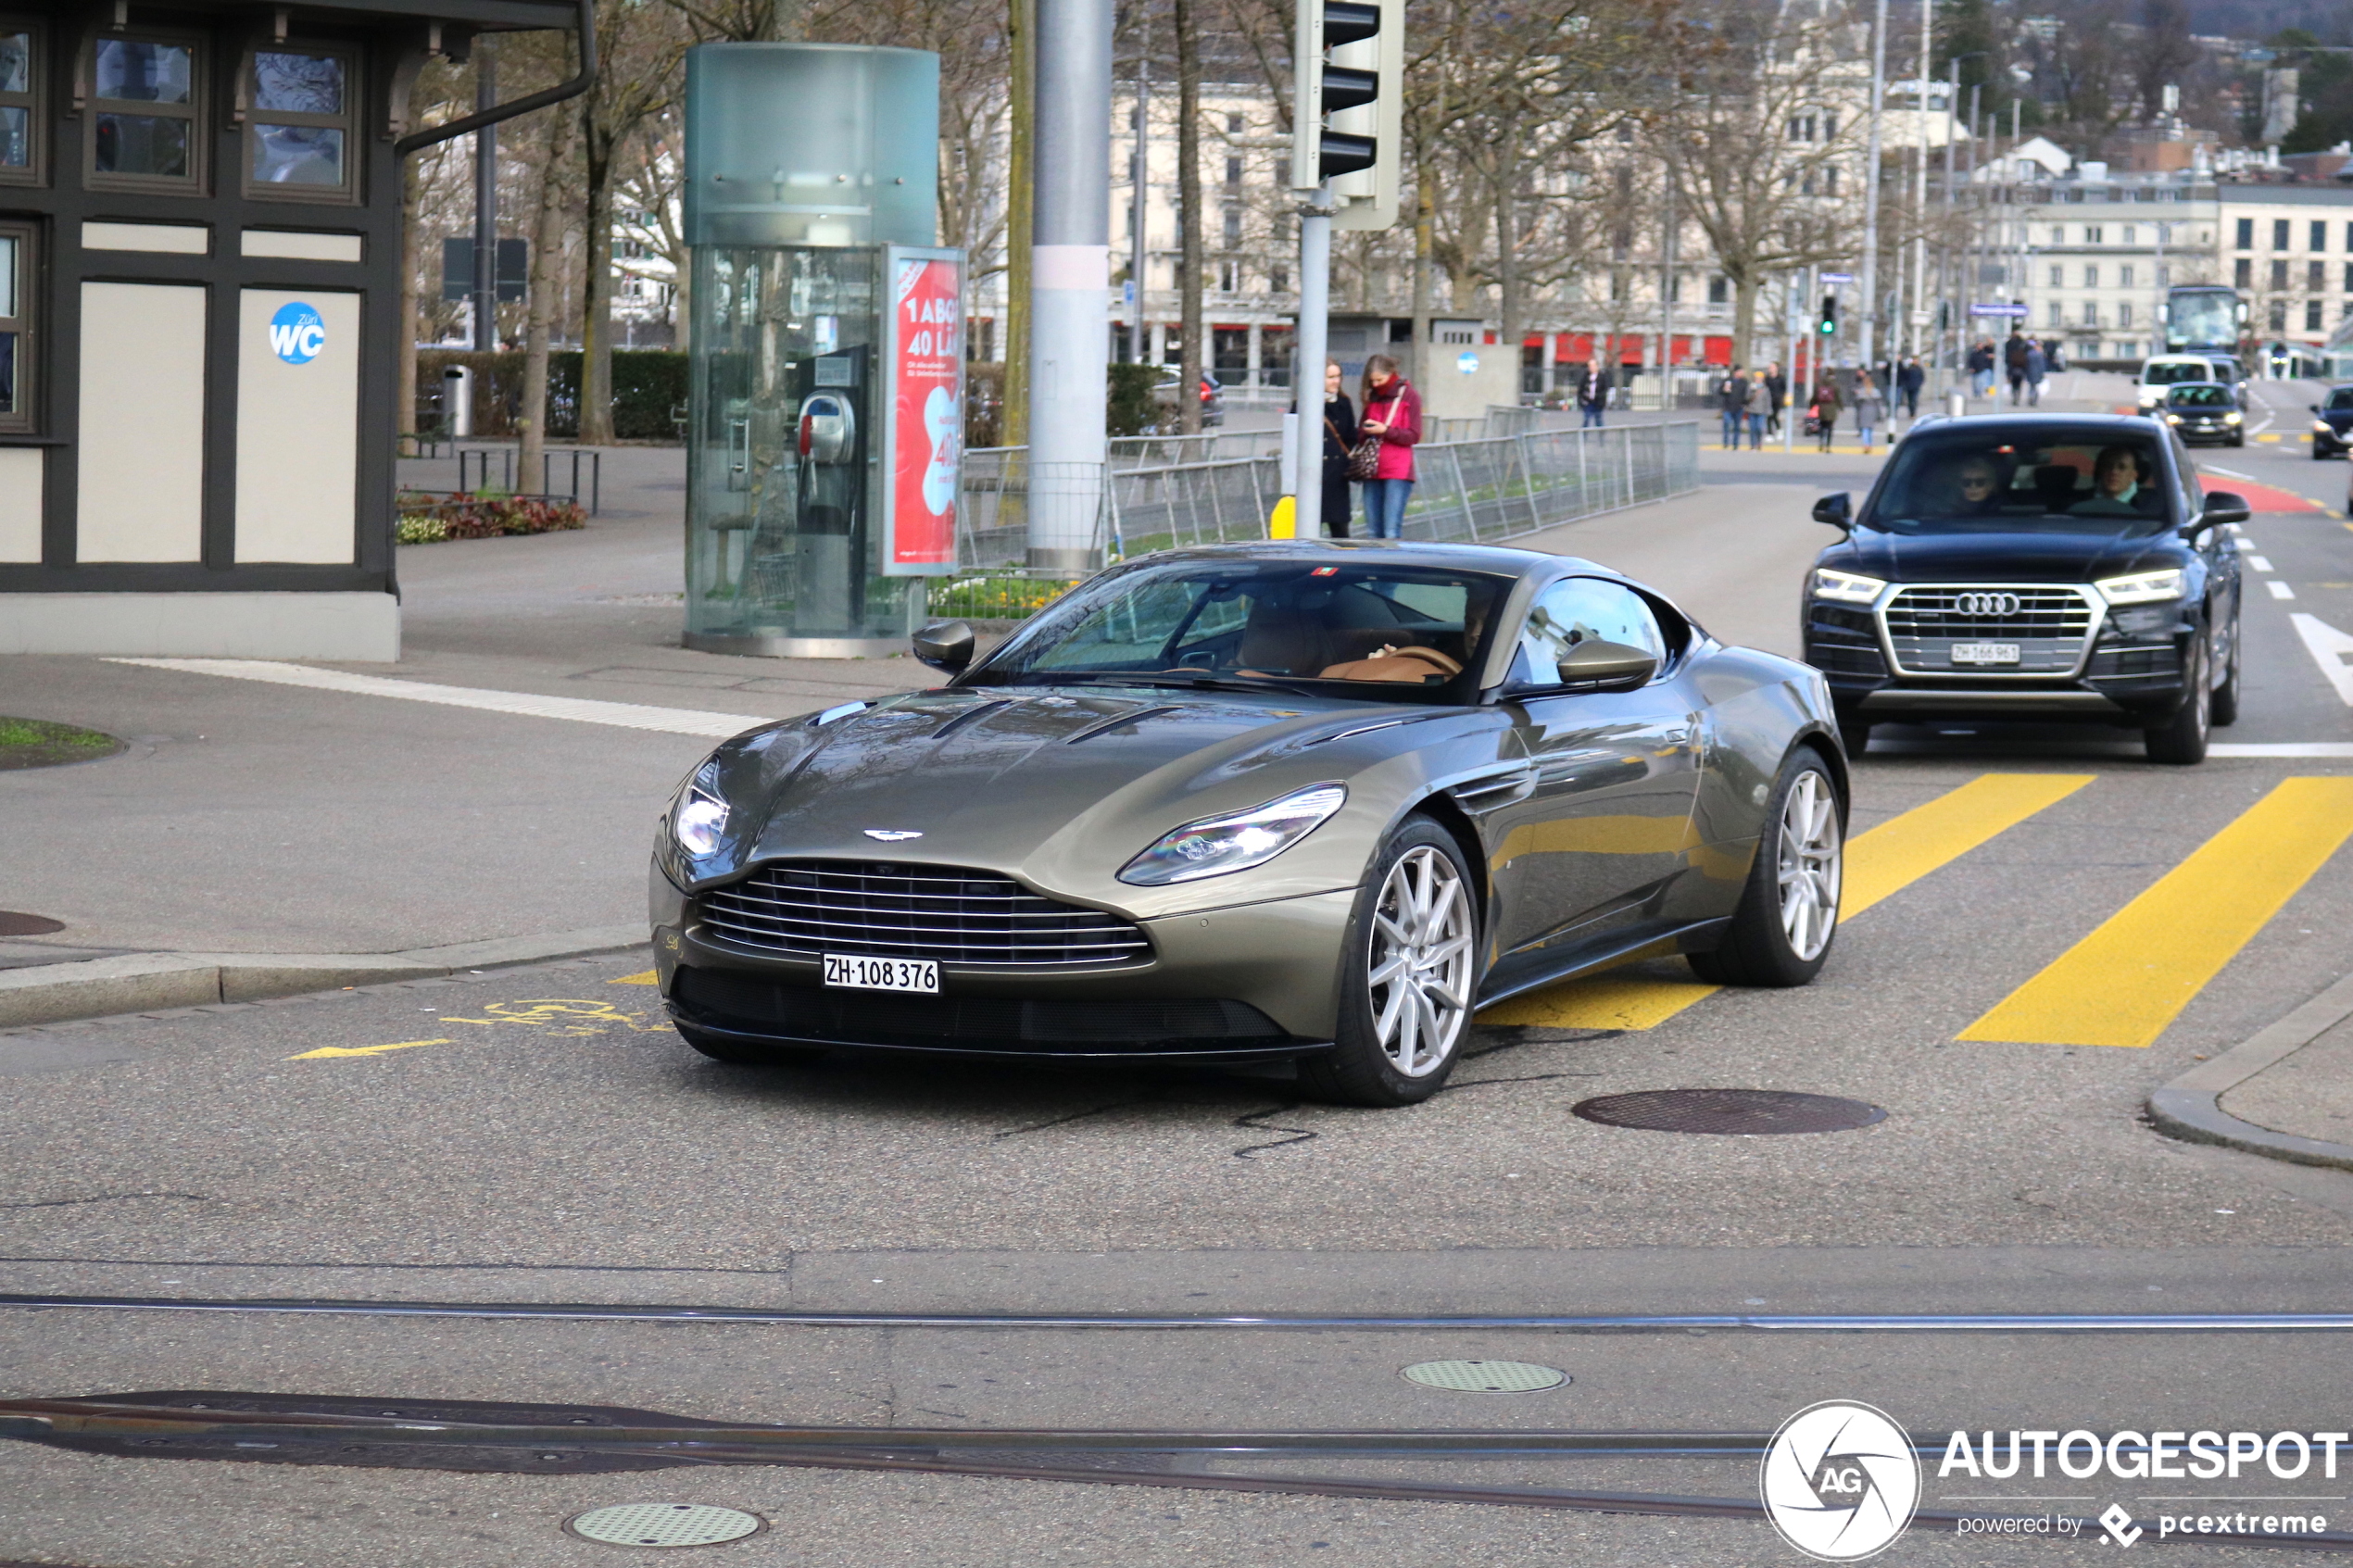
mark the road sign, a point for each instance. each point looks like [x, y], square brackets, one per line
[1838, 277]
[2018, 310]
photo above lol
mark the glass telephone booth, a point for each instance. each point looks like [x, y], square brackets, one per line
[804, 162]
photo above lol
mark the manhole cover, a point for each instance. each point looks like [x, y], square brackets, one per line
[1486, 1377]
[663, 1524]
[1728, 1110]
[15, 924]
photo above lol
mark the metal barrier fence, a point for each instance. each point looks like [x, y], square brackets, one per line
[1468, 492]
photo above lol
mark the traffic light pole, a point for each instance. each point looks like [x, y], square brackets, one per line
[1309, 348]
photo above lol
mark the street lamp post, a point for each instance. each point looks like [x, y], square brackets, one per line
[1070, 276]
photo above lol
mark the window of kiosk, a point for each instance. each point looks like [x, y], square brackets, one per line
[144, 108]
[298, 125]
[15, 329]
[22, 123]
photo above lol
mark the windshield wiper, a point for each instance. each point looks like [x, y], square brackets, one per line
[1173, 682]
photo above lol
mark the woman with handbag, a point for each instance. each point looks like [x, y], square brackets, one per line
[1383, 459]
[1340, 418]
[1824, 411]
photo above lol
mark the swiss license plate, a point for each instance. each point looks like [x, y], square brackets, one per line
[882, 974]
[1985, 653]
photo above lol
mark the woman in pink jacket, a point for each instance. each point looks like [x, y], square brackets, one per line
[1393, 416]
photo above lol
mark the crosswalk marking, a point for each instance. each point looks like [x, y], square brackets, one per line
[1880, 863]
[2123, 984]
[2329, 649]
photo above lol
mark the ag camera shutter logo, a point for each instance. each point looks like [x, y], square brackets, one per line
[1840, 1481]
[298, 332]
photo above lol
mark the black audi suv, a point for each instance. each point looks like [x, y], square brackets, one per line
[2052, 567]
[2333, 423]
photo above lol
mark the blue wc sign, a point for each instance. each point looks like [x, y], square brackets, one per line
[297, 334]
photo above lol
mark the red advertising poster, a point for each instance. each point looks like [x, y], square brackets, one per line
[926, 350]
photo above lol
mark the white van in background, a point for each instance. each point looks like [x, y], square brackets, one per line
[2171, 370]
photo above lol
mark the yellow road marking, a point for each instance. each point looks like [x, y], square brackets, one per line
[1903, 849]
[365, 1051]
[1880, 863]
[650, 978]
[2123, 984]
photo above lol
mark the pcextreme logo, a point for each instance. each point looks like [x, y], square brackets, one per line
[1840, 1481]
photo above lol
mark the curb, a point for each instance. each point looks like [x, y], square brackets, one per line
[2189, 1107]
[149, 982]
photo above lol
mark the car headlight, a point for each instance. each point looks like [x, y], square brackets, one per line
[698, 817]
[1845, 588]
[2321, 427]
[2144, 587]
[1235, 842]
[2173, 418]
[2233, 417]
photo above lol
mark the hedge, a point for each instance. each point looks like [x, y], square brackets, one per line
[648, 384]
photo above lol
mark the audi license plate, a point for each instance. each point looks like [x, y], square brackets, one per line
[882, 974]
[1985, 653]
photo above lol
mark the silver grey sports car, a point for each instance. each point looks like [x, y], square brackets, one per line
[1311, 800]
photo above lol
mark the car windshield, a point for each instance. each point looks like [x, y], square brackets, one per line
[2341, 398]
[2160, 374]
[1408, 630]
[2199, 397]
[1986, 475]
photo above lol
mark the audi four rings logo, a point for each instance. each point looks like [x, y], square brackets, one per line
[1985, 604]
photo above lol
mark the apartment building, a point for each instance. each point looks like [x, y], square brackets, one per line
[2092, 253]
[2289, 250]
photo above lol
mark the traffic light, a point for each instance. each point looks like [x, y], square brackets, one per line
[1828, 323]
[1346, 126]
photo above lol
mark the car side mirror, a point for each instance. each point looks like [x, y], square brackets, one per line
[945, 645]
[2312, 408]
[1837, 510]
[2222, 507]
[1596, 662]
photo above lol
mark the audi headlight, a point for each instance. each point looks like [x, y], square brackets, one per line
[1845, 588]
[2233, 417]
[2144, 587]
[1236, 842]
[2173, 418]
[2321, 427]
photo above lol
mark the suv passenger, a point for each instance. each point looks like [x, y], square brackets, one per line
[2057, 567]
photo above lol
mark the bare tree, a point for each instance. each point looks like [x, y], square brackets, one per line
[1187, 15]
[546, 287]
[1756, 140]
[641, 47]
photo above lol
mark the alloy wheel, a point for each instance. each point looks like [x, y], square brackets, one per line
[1419, 966]
[1809, 865]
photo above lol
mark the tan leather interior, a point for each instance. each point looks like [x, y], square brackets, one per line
[1414, 664]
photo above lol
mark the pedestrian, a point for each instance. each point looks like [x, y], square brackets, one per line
[1760, 408]
[1870, 408]
[1731, 403]
[1393, 417]
[1340, 418]
[1592, 396]
[2038, 365]
[1777, 384]
[1980, 369]
[1823, 411]
[2014, 366]
[1908, 381]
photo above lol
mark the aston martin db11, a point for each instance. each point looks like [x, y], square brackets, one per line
[1319, 801]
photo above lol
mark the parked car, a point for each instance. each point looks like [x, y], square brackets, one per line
[2200, 411]
[2333, 423]
[1213, 397]
[2057, 567]
[2166, 370]
[1308, 800]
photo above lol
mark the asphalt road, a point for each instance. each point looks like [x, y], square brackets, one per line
[539, 1136]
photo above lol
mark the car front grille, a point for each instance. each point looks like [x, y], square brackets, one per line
[965, 919]
[2051, 625]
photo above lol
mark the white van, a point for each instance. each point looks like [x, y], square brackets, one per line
[2170, 369]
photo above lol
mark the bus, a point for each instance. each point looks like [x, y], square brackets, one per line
[2203, 319]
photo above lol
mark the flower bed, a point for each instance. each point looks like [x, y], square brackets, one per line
[426, 518]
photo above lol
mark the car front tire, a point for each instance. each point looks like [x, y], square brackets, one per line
[1408, 976]
[2181, 740]
[2225, 709]
[1788, 914]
